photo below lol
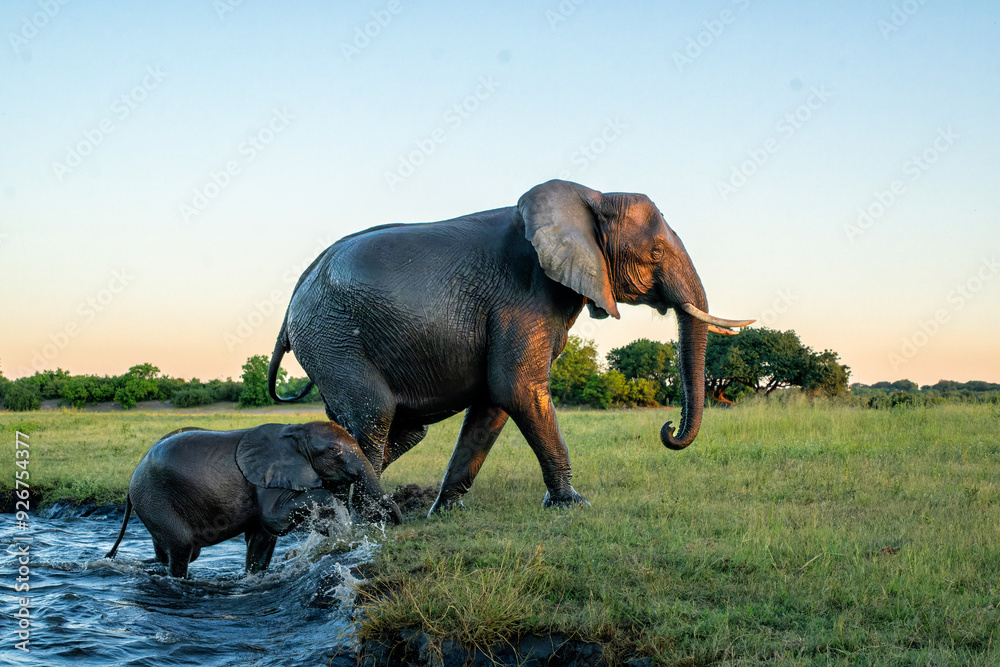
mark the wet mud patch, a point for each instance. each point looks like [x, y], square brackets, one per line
[412, 498]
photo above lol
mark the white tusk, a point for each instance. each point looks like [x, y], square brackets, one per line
[709, 319]
[722, 330]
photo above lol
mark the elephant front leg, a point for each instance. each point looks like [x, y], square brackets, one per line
[535, 416]
[480, 429]
[260, 548]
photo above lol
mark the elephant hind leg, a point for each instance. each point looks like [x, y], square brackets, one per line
[480, 430]
[260, 549]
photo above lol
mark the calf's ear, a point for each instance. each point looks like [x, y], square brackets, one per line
[270, 456]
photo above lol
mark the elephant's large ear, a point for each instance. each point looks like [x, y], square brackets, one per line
[560, 220]
[270, 456]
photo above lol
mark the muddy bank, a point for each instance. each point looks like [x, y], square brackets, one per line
[415, 648]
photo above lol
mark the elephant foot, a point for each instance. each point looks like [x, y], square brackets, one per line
[445, 506]
[565, 500]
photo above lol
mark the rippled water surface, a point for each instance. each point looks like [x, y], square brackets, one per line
[87, 610]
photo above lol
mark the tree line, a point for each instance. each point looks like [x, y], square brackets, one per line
[754, 362]
[883, 395]
[644, 372]
[145, 382]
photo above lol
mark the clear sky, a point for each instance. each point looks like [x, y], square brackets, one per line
[168, 169]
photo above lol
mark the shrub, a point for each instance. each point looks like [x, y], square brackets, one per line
[167, 386]
[190, 397]
[23, 395]
[225, 391]
[640, 391]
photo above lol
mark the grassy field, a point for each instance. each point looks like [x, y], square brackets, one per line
[792, 534]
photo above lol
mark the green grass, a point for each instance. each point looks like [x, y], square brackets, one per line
[791, 534]
[808, 535]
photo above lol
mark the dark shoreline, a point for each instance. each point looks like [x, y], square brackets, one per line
[415, 648]
[60, 509]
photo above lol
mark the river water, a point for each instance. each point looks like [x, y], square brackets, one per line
[88, 610]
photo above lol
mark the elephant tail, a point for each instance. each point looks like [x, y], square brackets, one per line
[121, 533]
[280, 347]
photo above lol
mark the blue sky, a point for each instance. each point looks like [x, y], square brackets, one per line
[167, 170]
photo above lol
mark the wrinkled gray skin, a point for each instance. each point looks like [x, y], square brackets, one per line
[195, 487]
[401, 326]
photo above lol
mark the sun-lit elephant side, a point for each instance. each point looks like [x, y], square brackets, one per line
[401, 326]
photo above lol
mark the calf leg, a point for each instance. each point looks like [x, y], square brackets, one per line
[260, 548]
[178, 557]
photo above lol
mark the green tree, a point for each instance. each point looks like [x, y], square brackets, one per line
[603, 390]
[102, 388]
[763, 360]
[48, 382]
[572, 370]
[139, 383]
[228, 390]
[649, 360]
[254, 393]
[640, 392]
[826, 374]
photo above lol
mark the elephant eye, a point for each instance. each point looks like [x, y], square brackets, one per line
[656, 254]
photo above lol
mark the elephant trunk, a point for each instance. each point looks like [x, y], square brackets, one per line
[691, 358]
[378, 505]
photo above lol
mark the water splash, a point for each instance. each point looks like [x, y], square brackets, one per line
[91, 610]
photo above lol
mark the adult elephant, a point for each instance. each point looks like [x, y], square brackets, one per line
[401, 326]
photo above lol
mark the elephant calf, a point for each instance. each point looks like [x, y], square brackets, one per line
[195, 487]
